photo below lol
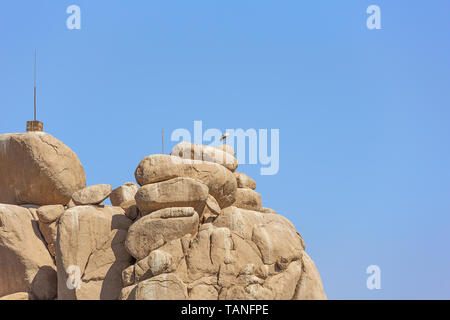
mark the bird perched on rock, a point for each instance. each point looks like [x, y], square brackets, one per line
[225, 136]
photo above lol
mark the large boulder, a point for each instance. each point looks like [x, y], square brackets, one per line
[124, 193]
[177, 192]
[25, 263]
[247, 198]
[220, 181]
[154, 230]
[39, 169]
[90, 252]
[192, 151]
[310, 286]
[92, 195]
[48, 216]
[244, 181]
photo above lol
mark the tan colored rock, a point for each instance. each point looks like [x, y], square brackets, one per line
[177, 192]
[283, 285]
[242, 221]
[198, 255]
[32, 208]
[156, 263]
[220, 181]
[17, 296]
[153, 231]
[221, 246]
[128, 293]
[90, 252]
[71, 204]
[212, 210]
[267, 210]
[50, 213]
[310, 285]
[25, 263]
[244, 181]
[277, 244]
[167, 286]
[49, 232]
[203, 292]
[167, 259]
[95, 194]
[213, 206]
[128, 276]
[37, 168]
[192, 151]
[124, 193]
[248, 199]
[131, 209]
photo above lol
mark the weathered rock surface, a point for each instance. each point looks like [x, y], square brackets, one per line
[131, 209]
[310, 287]
[177, 192]
[244, 181]
[155, 230]
[162, 287]
[39, 169]
[95, 194]
[50, 213]
[124, 193]
[211, 211]
[192, 151]
[25, 263]
[243, 254]
[90, 252]
[193, 230]
[220, 181]
[248, 199]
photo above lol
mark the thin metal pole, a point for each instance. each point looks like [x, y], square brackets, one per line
[35, 85]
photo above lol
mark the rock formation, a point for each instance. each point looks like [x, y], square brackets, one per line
[193, 228]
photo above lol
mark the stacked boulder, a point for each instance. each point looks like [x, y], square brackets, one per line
[192, 228]
[203, 234]
[38, 174]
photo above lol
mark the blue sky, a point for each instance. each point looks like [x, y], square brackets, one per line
[363, 114]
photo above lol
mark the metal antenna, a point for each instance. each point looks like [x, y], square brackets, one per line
[35, 54]
[162, 138]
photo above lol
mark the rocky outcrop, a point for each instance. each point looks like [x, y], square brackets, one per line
[25, 264]
[90, 252]
[234, 251]
[192, 151]
[36, 168]
[219, 180]
[193, 229]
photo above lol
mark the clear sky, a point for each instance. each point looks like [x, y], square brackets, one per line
[363, 114]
